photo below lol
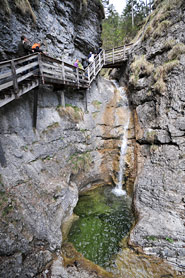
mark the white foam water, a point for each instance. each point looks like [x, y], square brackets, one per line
[118, 191]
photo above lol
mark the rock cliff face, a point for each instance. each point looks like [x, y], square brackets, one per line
[156, 90]
[71, 149]
[69, 29]
[44, 168]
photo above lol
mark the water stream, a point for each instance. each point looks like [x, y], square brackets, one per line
[118, 190]
[104, 220]
[100, 234]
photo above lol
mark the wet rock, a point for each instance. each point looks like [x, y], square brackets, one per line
[159, 125]
[62, 156]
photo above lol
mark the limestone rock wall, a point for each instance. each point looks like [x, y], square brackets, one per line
[156, 87]
[69, 29]
[71, 149]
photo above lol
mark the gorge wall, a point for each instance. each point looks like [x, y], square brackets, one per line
[156, 89]
[74, 149]
[46, 168]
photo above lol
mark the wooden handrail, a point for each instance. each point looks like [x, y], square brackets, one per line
[119, 47]
[17, 59]
[17, 74]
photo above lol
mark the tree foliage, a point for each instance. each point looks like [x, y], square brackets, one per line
[119, 29]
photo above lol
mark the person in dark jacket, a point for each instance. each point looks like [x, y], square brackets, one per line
[85, 63]
[24, 47]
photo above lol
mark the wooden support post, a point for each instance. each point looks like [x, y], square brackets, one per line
[63, 71]
[94, 69]
[35, 104]
[124, 53]
[63, 104]
[77, 73]
[104, 56]
[2, 157]
[113, 55]
[14, 77]
[85, 96]
[99, 61]
[41, 69]
[88, 72]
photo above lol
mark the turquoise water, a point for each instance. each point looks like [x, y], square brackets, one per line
[104, 220]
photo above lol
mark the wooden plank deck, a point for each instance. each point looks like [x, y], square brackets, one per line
[19, 76]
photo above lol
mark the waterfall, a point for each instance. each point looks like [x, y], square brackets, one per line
[118, 189]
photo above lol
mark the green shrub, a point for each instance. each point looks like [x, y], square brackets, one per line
[169, 239]
[151, 238]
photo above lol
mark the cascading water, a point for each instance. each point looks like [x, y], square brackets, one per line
[118, 191]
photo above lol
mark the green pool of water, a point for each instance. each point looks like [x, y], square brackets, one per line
[104, 219]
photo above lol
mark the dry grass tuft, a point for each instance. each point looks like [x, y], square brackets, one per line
[160, 75]
[140, 67]
[147, 33]
[169, 44]
[176, 51]
[170, 65]
[160, 86]
[161, 28]
[5, 6]
[25, 7]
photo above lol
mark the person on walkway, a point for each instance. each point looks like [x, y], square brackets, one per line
[36, 47]
[99, 50]
[24, 47]
[89, 55]
[85, 63]
[80, 65]
[76, 63]
[91, 58]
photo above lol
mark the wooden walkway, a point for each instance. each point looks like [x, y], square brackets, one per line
[19, 76]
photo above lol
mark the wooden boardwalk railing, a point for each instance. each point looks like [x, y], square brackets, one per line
[19, 76]
[116, 56]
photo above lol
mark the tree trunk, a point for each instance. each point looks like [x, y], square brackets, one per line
[132, 14]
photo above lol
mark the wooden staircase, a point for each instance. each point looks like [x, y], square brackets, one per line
[20, 76]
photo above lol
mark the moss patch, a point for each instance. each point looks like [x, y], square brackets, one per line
[96, 104]
[104, 220]
[80, 162]
[7, 204]
[71, 112]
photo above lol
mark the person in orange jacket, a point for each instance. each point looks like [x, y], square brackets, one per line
[36, 47]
